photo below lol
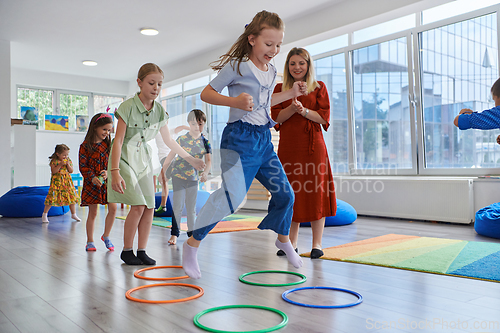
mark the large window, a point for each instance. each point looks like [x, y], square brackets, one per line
[173, 106]
[193, 101]
[42, 100]
[381, 106]
[331, 70]
[64, 103]
[395, 88]
[106, 103]
[219, 117]
[73, 105]
[459, 65]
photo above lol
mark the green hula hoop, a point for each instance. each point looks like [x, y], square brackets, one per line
[242, 279]
[217, 308]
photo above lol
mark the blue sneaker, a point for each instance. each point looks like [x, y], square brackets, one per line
[90, 247]
[108, 243]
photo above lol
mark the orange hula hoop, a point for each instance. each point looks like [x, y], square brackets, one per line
[136, 274]
[200, 289]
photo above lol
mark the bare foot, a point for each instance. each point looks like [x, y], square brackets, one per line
[172, 240]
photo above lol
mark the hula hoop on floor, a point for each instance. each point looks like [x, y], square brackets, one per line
[129, 292]
[264, 330]
[242, 279]
[360, 298]
[136, 274]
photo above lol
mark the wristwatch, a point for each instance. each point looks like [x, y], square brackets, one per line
[307, 112]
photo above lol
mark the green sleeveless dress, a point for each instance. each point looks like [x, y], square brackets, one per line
[136, 166]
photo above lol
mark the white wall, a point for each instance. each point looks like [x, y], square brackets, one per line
[47, 140]
[24, 154]
[5, 134]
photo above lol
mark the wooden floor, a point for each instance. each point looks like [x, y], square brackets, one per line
[48, 283]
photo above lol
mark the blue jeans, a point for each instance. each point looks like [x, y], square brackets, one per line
[247, 153]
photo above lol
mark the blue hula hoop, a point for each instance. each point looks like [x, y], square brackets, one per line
[360, 298]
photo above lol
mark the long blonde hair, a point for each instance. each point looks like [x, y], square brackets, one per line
[288, 79]
[242, 48]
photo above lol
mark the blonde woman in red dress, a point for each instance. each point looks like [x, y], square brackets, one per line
[302, 149]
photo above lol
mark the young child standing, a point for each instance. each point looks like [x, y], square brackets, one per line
[130, 167]
[62, 191]
[185, 177]
[93, 161]
[246, 148]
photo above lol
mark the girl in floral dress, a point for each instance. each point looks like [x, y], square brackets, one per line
[62, 192]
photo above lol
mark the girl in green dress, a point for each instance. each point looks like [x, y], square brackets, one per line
[139, 120]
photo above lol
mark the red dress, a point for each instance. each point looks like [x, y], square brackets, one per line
[302, 151]
[92, 162]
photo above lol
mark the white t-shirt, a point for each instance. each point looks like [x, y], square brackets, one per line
[163, 149]
[258, 115]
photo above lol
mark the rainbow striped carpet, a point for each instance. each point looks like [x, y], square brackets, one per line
[230, 223]
[476, 260]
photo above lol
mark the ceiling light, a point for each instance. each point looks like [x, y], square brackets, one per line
[149, 31]
[89, 63]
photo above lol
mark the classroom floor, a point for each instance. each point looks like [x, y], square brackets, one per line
[48, 283]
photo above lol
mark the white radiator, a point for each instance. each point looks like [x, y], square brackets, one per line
[43, 175]
[419, 198]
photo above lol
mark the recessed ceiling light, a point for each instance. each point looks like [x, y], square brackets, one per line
[89, 63]
[149, 31]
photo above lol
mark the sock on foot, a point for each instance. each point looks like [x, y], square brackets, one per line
[75, 217]
[108, 243]
[282, 253]
[189, 261]
[129, 258]
[146, 260]
[292, 256]
[45, 219]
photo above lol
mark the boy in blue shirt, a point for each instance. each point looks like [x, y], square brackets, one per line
[184, 176]
[488, 119]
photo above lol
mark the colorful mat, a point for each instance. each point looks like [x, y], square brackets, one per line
[476, 260]
[231, 223]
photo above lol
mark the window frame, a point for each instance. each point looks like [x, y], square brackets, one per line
[56, 105]
[422, 170]
[349, 66]
[415, 107]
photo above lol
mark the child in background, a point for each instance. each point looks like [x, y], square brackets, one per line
[62, 191]
[93, 158]
[246, 148]
[184, 176]
[163, 152]
[130, 167]
[488, 119]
